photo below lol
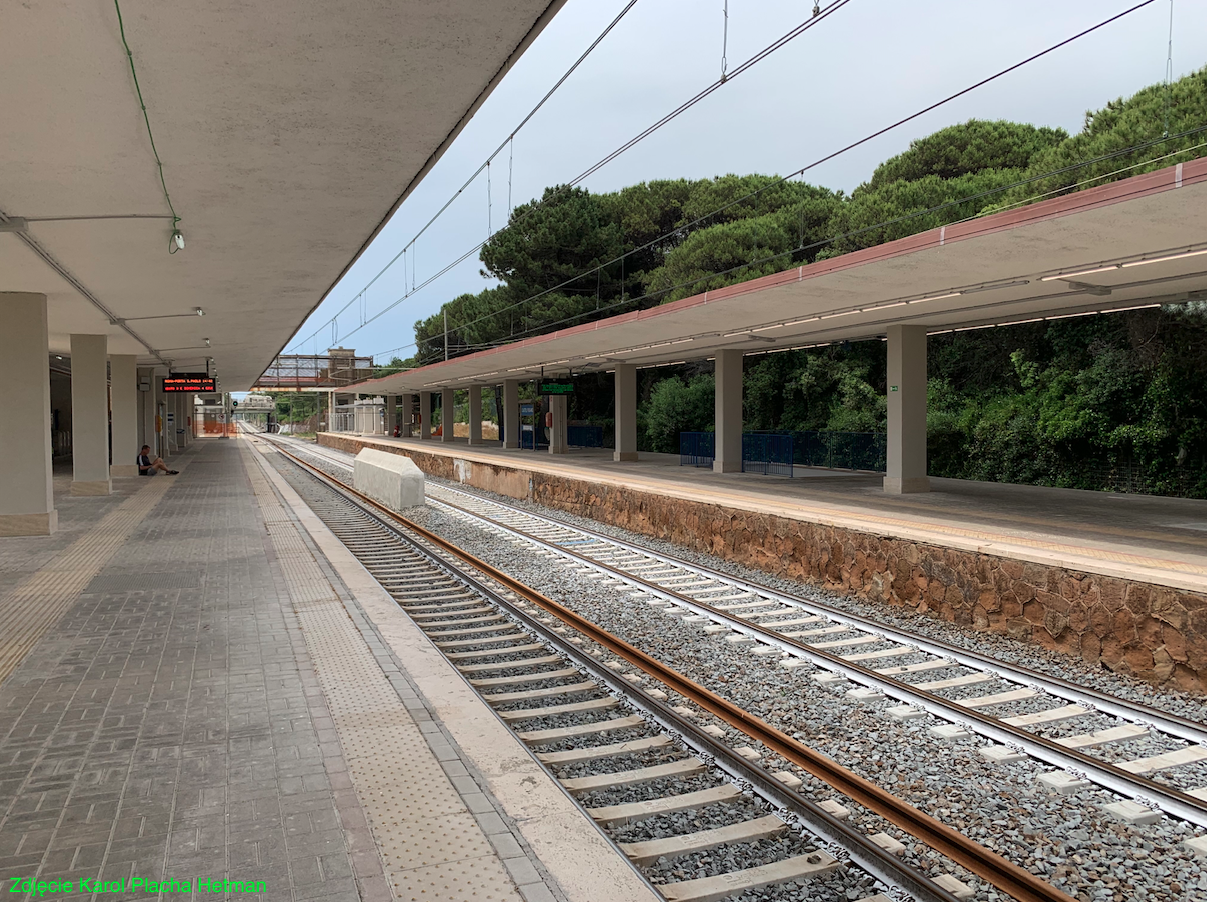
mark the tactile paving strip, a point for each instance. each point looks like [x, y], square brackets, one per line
[36, 604]
[431, 847]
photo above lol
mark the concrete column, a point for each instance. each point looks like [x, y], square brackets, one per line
[446, 414]
[626, 412]
[906, 411]
[425, 415]
[728, 453]
[391, 414]
[26, 494]
[557, 434]
[123, 400]
[511, 413]
[90, 415]
[408, 407]
[475, 414]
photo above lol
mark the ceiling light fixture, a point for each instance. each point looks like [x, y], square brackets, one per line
[935, 297]
[1180, 256]
[207, 342]
[844, 313]
[199, 311]
[1081, 272]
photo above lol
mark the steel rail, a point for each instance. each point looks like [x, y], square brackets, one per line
[988, 865]
[1110, 776]
[841, 837]
[1174, 725]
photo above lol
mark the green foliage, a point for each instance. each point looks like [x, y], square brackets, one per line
[958, 150]
[678, 405]
[1072, 403]
[1118, 125]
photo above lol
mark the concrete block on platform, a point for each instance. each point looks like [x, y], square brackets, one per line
[389, 479]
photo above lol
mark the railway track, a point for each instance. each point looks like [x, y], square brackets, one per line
[632, 759]
[1082, 733]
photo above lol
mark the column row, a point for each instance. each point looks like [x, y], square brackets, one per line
[110, 417]
[906, 408]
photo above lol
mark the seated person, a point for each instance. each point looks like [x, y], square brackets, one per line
[148, 467]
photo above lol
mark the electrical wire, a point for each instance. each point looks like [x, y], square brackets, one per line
[780, 42]
[799, 172]
[883, 224]
[507, 142]
[121, 27]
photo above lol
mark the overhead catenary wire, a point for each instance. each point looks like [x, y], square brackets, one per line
[508, 142]
[800, 172]
[779, 43]
[883, 224]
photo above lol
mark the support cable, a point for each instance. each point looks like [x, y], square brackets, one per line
[800, 172]
[895, 221]
[669, 117]
[506, 143]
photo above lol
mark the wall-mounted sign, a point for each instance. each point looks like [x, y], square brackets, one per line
[188, 382]
[557, 388]
[527, 410]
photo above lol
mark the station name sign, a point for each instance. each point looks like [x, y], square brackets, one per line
[557, 388]
[188, 382]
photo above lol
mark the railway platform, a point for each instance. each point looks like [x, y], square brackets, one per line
[199, 684]
[1120, 579]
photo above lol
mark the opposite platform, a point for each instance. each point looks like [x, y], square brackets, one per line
[208, 700]
[1120, 579]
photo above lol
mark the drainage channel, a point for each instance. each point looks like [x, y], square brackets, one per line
[531, 670]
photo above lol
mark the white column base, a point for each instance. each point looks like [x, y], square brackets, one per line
[727, 466]
[624, 455]
[119, 470]
[908, 485]
[29, 524]
[92, 487]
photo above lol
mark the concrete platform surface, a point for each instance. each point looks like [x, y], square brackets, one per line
[1149, 538]
[193, 690]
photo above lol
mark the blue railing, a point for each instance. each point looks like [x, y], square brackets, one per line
[696, 449]
[775, 453]
[584, 436]
[841, 450]
[767, 453]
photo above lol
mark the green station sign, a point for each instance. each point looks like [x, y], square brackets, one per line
[557, 388]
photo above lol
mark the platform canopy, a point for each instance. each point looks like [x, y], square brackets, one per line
[1137, 242]
[289, 132]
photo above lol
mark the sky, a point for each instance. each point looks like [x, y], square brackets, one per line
[863, 67]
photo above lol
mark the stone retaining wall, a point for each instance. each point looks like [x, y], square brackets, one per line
[1155, 633]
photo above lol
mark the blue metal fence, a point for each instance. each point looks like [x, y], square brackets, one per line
[696, 449]
[584, 436]
[773, 453]
[841, 450]
[767, 453]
